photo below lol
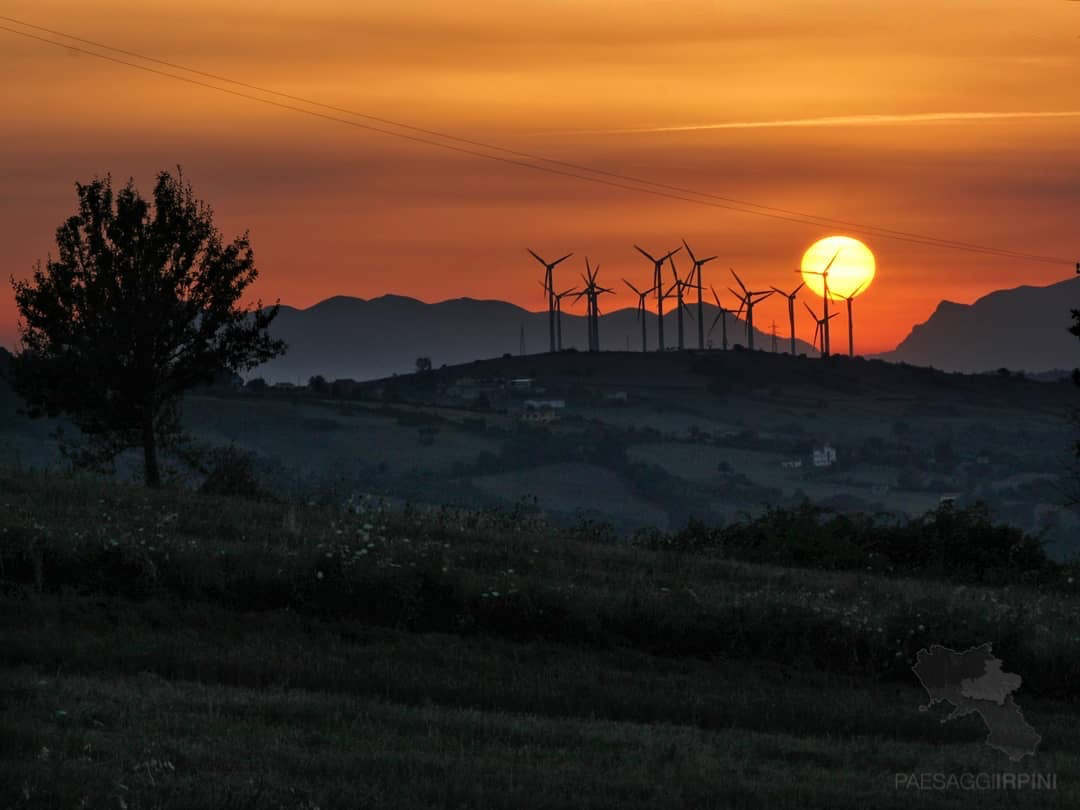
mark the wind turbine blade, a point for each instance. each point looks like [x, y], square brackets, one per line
[706, 261]
[716, 320]
[631, 286]
[537, 257]
[646, 254]
[856, 291]
[781, 292]
[833, 259]
[740, 297]
[716, 297]
[674, 272]
[689, 252]
[796, 290]
[732, 269]
[671, 253]
[563, 259]
[812, 313]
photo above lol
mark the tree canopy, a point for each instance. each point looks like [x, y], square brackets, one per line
[142, 302]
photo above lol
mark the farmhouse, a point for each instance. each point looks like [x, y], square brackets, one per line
[824, 456]
[791, 464]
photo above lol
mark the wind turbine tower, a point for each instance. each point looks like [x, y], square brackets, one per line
[722, 317]
[548, 286]
[825, 300]
[592, 292]
[822, 328]
[750, 299]
[698, 263]
[680, 306]
[658, 285]
[850, 322]
[642, 296]
[791, 311]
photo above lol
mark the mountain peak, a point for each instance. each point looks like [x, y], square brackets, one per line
[1024, 329]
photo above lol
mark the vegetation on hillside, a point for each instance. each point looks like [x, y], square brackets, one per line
[174, 649]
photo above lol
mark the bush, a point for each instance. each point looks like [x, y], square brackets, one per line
[233, 474]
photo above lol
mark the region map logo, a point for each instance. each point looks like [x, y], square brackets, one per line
[973, 681]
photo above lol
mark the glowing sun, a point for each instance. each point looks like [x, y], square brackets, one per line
[851, 271]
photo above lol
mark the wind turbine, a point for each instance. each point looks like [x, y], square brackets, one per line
[822, 328]
[791, 310]
[825, 297]
[850, 323]
[658, 282]
[680, 306]
[642, 296]
[548, 286]
[700, 310]
[722, 314]
[558, 297]
[592, 291]
[750, 299]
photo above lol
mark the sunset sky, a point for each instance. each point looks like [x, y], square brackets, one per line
[919, 116]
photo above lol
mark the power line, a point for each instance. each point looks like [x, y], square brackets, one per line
[518, 158]
[818, 220]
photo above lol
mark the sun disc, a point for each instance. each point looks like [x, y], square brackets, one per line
[851, 272]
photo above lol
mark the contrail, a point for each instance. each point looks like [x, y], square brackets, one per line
[835, 121]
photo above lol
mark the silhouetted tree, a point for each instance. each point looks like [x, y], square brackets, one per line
[318, 384]
[423, 364]
[141, 304]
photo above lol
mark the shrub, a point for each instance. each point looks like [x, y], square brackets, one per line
[233, 474]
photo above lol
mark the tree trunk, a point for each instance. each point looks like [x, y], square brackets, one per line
[151, 474]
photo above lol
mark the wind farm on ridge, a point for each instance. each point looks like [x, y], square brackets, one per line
[746, 298]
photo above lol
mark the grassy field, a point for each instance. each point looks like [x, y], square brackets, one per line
[168, 650]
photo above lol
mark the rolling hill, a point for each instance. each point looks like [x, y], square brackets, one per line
[368, 339]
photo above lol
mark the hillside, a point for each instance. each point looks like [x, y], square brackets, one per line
[650, 439]
[366, 339]
[169, 650]
[1022, 329]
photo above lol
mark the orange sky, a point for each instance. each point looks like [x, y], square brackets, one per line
[333, 209]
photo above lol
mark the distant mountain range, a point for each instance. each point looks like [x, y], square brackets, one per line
[1022, 329]
[367, 339]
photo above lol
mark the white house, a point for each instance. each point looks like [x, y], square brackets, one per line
[791, 464]
[824, 456]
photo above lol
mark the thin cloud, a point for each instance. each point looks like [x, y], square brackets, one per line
[836, 121]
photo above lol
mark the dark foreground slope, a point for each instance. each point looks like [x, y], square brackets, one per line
[168, 651]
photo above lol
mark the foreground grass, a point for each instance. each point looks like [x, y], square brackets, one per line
[169, 651]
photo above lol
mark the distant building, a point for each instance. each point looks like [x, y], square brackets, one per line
[521, 384]
[791, 464]
[949, 498]
[616, 396]
[824, 456]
